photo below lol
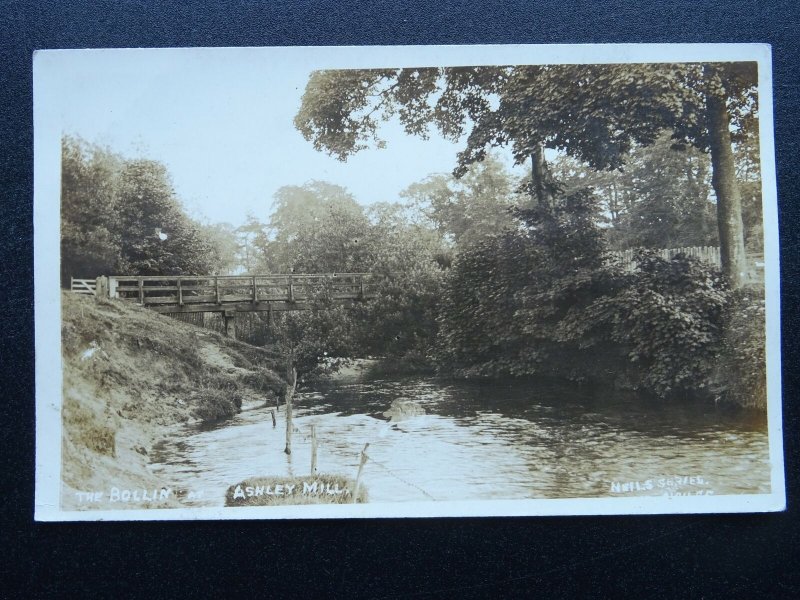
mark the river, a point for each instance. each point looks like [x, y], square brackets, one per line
[479, 441]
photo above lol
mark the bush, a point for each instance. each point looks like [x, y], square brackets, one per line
[669, 316]
[264, 380]
[546, 301]
[743, 351]
[214, 405]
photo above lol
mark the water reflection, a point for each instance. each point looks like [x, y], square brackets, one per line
[482, 441]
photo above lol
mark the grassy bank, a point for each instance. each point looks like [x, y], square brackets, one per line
[130, 376]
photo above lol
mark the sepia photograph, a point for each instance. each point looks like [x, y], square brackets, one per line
[420, 281]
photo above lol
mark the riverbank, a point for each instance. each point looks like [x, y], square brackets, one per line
[132, 377]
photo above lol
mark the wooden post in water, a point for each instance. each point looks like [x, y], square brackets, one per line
[360, 469]
[313, 449]
[287, 400]
[274, 422]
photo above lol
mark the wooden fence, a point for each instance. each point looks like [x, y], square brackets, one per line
[709, 254]
[83, 286]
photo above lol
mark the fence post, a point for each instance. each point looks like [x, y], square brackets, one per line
[361, 464]
[180, 292]
[287, 400]
[216, 289]
[101, 288]
[255, 292]
[141, 291]
[313, 449]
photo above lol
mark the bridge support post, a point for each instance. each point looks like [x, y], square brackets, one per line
[230, 323]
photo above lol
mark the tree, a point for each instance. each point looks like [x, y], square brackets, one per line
[541, 300]
[157, 237]
[316, 228]
[90, 236]
[319, 228]
[467, 209]
[224, 245]
[122, 216]
[661, 197]
[250, 237]
[595, 113]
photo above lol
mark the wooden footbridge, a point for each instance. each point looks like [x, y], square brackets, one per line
[231, 294]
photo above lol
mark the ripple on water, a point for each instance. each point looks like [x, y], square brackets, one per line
[475, 442]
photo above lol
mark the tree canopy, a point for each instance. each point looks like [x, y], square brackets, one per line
[123, 216]
[594, 113]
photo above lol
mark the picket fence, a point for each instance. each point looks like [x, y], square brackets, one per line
[709, 254]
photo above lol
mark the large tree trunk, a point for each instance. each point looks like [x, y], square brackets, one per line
[729, 199]
[541, 178]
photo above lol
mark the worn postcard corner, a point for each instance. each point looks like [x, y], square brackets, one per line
[406, 281]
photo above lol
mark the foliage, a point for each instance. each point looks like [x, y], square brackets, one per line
[122, 216]
[670, 318]
[594, 113]
[661, 197]
[319, 228]
[743, 351]
[90, 235]
[157, 236]
[467, 209]
[212, 404]
[224, 243]
[548, 301]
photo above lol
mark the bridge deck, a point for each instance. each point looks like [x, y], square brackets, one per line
[253, 293]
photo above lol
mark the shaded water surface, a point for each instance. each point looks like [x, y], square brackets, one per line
[480, 441]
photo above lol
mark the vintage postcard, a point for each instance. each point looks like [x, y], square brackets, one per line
[406, 282]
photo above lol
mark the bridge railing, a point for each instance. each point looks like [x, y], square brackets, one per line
[287, 288]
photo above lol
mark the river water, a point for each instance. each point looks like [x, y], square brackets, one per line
[479, 441]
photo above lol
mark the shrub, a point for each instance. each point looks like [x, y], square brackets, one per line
[264, 380]
[743, 352]
[669, 316]
[546, 301]
[213, 405]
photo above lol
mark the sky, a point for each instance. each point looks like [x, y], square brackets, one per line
[221, 122]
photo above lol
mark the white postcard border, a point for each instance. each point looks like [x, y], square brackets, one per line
[51, 79]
